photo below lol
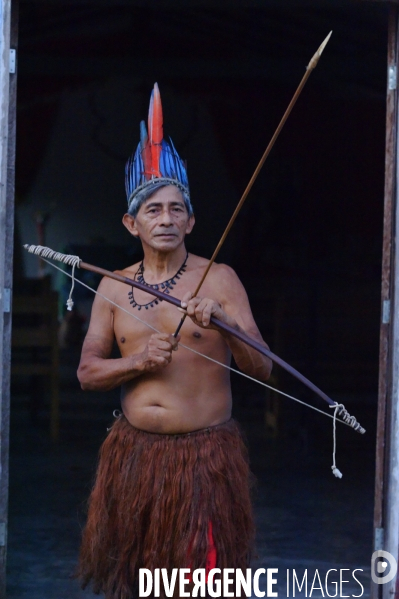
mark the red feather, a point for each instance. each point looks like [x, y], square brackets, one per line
[146, 155]
[155, 129]
[150, 113]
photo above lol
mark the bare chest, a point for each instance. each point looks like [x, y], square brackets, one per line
[142, 317]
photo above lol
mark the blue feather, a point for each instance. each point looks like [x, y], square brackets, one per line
[181, 172]
[140, 171]
[127, 177]
[143, 135]
[163, 159]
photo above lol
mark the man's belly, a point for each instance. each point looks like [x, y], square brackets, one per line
[185, 396]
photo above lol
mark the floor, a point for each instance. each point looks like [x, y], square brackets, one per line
[306, 518]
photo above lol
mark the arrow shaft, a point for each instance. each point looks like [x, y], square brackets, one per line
[312, 64]
[253, 179]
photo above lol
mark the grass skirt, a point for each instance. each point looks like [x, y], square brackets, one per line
[153, 499]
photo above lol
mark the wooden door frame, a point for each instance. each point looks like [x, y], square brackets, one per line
[8, 89]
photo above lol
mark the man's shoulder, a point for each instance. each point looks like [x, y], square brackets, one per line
[129, 271]
[223, 273]
[195, 261]
[111, 285]
[219, 273]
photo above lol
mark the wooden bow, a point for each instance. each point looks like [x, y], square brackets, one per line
[76, 261]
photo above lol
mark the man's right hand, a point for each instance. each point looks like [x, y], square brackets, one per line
[158, 352]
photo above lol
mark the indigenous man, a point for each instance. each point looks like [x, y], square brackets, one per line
[172, 487]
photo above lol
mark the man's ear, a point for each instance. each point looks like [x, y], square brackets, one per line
[190, 224]
[130, 224]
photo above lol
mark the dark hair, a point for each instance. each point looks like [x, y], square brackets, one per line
[147, 192]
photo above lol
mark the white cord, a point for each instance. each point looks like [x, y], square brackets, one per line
[45, 252]
[334, 468]
[351, 420]
[69, 301]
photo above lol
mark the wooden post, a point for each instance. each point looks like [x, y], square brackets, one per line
[8, 39]
[386, 506]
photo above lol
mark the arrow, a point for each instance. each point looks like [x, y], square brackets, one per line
[312, 65]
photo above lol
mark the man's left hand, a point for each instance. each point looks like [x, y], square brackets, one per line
[201, 309]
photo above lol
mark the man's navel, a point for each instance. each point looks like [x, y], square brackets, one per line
[197, 335]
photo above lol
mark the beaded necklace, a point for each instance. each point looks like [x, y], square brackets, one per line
[166, 286]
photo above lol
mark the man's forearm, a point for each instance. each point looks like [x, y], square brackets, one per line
[247, 359]
[104, 374]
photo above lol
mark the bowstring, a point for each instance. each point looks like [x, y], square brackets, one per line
[247, 376]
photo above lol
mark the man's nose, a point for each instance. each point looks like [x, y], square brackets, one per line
[166, 217]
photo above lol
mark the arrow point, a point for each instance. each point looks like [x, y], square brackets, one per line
[315, 58]
[324, 44]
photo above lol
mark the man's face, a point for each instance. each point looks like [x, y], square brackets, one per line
[162, 221]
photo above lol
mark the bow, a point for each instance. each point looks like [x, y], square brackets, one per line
[75, 261]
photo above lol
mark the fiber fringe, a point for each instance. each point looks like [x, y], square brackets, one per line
[152, 501]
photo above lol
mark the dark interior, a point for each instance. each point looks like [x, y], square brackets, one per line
[307, 245]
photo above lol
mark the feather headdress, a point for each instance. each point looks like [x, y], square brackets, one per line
[155, 162]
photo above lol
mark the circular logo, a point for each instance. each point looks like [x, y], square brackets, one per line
[381, 566]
